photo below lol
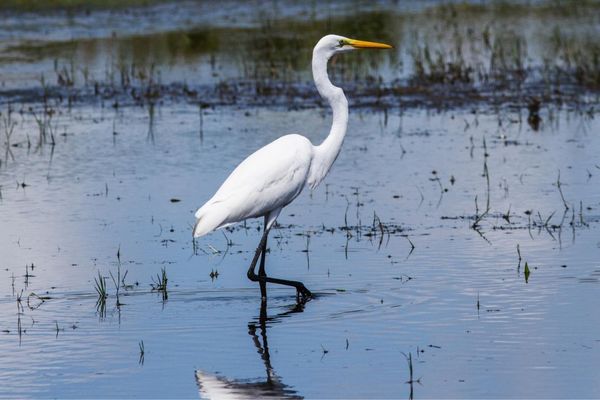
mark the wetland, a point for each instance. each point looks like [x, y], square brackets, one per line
[454, 248]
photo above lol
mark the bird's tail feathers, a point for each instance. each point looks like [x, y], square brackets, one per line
[209, 219]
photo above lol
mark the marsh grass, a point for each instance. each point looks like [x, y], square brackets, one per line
[46, 128]
[476, 64]
[100, 287]
[411, 380]
[159, 284]
[459, 44]
[8, 126]
[119, 282]
[439, 67]
[65, 74]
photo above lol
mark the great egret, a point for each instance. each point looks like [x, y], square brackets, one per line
[273, 176]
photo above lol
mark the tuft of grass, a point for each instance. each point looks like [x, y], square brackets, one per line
[100, 286]
[8, 124]
[159, 284]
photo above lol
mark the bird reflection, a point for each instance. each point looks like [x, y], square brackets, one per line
[213, 386]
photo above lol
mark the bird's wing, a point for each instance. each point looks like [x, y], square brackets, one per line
[268, 179]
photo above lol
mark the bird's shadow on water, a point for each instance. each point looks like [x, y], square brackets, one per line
[213, 386]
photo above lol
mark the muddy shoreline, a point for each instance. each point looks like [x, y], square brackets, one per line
[488, 98]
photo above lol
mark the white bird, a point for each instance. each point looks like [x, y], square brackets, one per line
[273, 176]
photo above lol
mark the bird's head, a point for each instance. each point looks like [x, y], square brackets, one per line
[334, 44]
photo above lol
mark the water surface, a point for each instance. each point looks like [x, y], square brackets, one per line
[464, 236]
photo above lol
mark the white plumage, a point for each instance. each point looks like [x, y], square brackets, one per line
[273, 176]
[265, 182]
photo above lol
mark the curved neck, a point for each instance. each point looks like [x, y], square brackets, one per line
[326, 153]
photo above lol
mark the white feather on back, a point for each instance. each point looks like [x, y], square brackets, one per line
[267, 180]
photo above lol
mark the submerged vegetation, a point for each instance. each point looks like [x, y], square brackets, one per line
[495, 52]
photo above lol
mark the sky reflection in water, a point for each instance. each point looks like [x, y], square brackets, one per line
[380, 302]
[128, 179]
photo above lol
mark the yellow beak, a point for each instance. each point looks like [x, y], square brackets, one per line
[361, 44]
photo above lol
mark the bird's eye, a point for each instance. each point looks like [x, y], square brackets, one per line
[341, 43]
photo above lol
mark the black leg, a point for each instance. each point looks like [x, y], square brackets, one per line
[261, 269]
[263, 241]
[301, 290]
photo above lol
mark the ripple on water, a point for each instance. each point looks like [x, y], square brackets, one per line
[459, 302]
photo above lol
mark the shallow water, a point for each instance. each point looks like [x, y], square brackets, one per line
[396, 244]
[99, 193]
